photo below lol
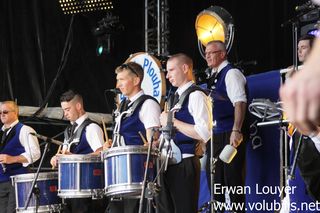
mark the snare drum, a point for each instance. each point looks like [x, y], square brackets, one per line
[48, 186]
[124, 170]
[80, 176]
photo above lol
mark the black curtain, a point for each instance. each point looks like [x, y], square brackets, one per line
[33, 35]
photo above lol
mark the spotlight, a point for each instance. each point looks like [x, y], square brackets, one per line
[104, 45]
[107, 27]
[81, 6]
[214, 23]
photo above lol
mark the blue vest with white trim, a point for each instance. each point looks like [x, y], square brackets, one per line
[185, 143]
[13, 147]
[223, 110]
[130, 126]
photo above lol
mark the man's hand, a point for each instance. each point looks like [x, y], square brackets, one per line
[7, 159]
[236, 138]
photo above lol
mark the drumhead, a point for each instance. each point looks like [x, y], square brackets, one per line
[153, 83]
[78, 158]
[30, 176]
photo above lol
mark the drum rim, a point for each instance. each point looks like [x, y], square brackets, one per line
[27, 177]
[79, 158]
[129, 149]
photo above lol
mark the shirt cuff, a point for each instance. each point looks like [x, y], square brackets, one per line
[28, 159]
[204, 135]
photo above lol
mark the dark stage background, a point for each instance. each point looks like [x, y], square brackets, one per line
[33, 33]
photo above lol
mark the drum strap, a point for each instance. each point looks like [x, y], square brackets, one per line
[139, 102]
[187, 92]
[79, 131]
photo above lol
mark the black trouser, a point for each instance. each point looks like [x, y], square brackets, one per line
[179, 190]
[7, 197]
[309, 165]
[227, 174]
[123, 206]
[85, 205]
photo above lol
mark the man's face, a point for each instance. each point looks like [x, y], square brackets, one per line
[126, 82]
[214, 55]
[8, 114]
[176, 74]
[303, 50]
[70, 110]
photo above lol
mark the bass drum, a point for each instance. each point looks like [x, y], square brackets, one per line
[154, 82]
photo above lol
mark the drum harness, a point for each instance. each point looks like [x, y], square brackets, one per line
[120, 115]
[74, 138]
[170, 152]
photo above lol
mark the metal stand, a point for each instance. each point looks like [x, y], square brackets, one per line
[34, 189]
[294, 163]
[150, 190]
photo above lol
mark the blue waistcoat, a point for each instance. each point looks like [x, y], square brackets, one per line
[13, 147]
[130, 126]
[83, 147]
[223, 110]
[185, 143]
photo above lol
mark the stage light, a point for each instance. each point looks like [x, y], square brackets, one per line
[214, 23]
[81, 6]
[104, 45]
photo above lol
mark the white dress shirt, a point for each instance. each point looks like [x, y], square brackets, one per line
[29, 142]
[199, 107]
[235, 83]
[94, 133]
[149, 113]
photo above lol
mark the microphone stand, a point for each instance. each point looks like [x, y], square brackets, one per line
[213, 162]
[296, 154]
[150, 191]
[34, 188]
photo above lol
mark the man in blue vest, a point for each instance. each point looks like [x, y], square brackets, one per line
[192, 120]
[18, 149]
[229, 99]
[145, 117]
[90, 142]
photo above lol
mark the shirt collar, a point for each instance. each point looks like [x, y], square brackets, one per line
[136, 96]
[184, 87]
[11, 125]
[220, 67]
[81, 119]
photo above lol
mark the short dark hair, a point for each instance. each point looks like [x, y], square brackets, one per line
[221, 44]
[133, 67]
[308, 37]
[183, 58]
[70, 95]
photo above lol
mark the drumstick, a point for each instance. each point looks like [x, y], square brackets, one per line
[143, 138]
[104, 130]
[165, 106]
[58, 151]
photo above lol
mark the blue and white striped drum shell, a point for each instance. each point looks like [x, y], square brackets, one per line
[124, 170]
[48, 186]
[80, 176]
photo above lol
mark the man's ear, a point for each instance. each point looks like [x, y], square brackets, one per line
[136, 80]
[78, 106]
[185, 68]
